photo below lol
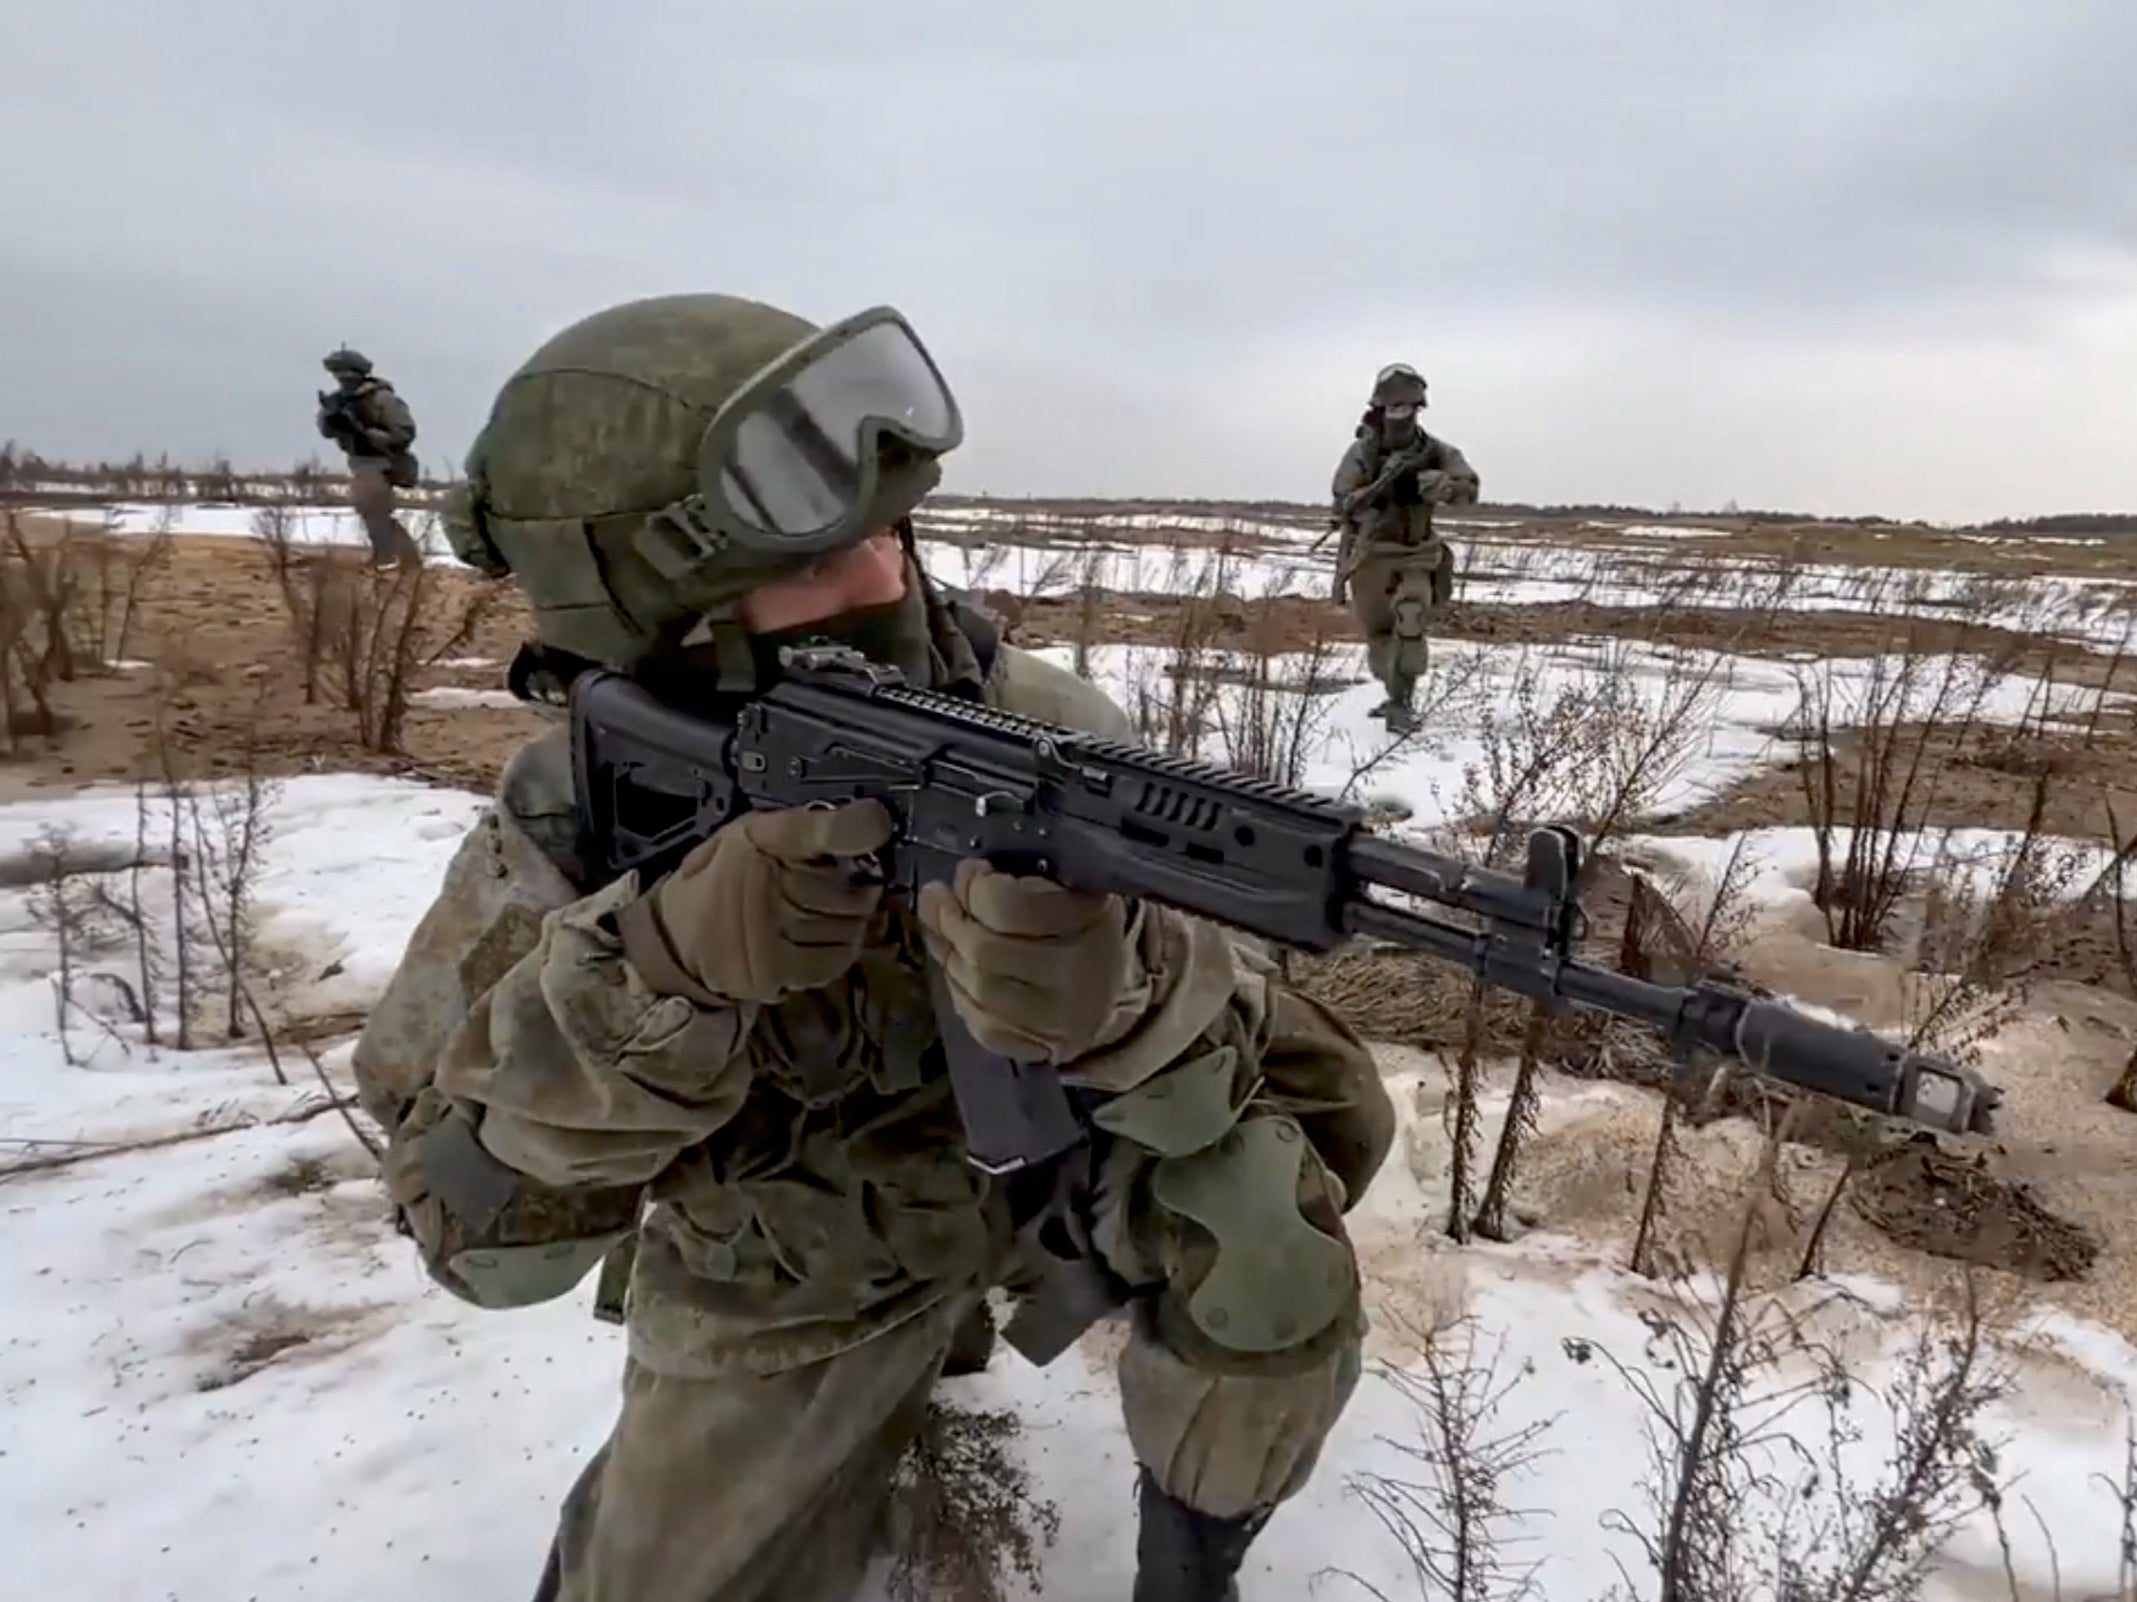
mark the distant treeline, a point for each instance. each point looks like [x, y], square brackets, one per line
[26, 474]
[2067, 523]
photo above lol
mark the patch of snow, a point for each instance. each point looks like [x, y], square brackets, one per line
[454, 695]
[1778, 867]
[1743, 704]
[347, 863]
[1663, 531]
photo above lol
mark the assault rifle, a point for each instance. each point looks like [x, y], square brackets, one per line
[1401, 462]
[966, 780]
[340, 422]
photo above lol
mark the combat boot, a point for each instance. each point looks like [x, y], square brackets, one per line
[1401, 719]
[1185, 1556]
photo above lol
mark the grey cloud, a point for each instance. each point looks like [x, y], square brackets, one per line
[1105, 217]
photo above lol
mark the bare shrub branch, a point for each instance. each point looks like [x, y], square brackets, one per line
[1453, 1519]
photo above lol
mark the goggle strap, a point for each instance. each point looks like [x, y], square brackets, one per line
[678, 539]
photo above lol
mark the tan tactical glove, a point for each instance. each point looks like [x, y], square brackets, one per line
[1036, 970]
[1455, 489]
[771, 904]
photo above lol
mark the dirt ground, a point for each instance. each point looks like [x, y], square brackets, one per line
[214, 660]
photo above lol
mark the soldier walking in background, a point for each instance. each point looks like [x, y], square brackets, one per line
[1394, 567]
[374, 429]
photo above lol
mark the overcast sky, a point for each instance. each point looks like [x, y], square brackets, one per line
[1843, 255]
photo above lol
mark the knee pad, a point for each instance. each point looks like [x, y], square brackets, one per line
[1252, 1272]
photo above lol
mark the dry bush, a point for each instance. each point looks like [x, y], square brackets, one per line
[230, 829]
[1451, 1511]
[1741, 1507]
[1988, 925]
[63, 901]
[2111, 888]
[362, 637]
[166, 919]
[2124, 1492]
[68, 608]
[1843, 1537]
[1902, 714]
[964, 1515]
[1697, 949]
[1597, 747]
[1272, 721]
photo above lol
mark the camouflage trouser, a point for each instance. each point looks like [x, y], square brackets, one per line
[1391, 591]
[766, 1481]
[772, 1488]
[371, 494]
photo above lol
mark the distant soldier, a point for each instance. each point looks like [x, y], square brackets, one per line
[374, 429]
[1392, 564]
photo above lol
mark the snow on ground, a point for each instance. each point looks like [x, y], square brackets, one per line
[1742, 706]
[223, 1374]
[1778, 867]
[346, 865]
[1659, 531]
[1254, 557]
[328, 524]
[450, 695]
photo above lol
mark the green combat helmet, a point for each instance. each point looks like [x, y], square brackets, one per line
[1397, 385]
[652, 464]
[346, 360]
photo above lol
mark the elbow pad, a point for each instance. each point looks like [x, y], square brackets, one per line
[488, 1233]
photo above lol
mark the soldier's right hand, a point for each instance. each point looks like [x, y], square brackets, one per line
[771, 904]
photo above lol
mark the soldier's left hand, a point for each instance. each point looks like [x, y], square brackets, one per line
[1035, 969]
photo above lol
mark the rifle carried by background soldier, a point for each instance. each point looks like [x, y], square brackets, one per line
[1407, 460]
[340, 423]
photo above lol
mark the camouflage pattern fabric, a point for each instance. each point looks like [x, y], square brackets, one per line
[1391, 565]
[377, 467]
[371, 497]
[811, 1235]
[373, 404]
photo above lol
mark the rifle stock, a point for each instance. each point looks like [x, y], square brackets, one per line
[1105, 816]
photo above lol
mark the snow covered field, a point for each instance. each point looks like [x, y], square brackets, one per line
[1734, 709]
[1130, 553]
[224, 1376]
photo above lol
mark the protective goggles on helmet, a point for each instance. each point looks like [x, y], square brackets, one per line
[821, 445]
[1400, 382]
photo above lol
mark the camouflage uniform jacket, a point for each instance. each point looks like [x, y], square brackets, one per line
[374, 405]
[801, 1163]
[1398, 521]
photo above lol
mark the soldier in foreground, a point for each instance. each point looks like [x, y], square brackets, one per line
[1394, 567]
[740, 1058]
[374, 429]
